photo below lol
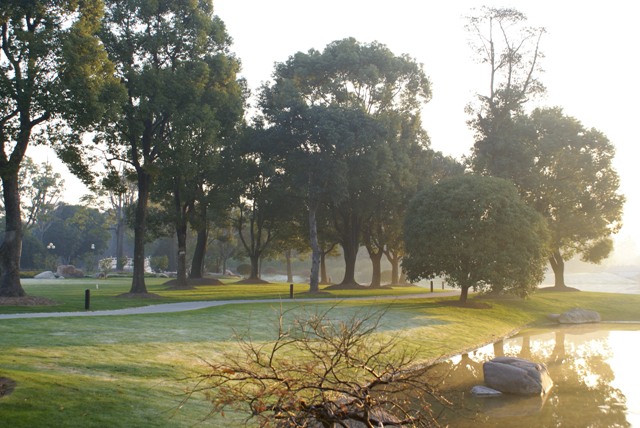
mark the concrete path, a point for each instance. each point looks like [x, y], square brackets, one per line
[192, 306]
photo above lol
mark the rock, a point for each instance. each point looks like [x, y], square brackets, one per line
[579, 316]
[517, 376]
[553, 317]
[70, 271]
[485, 391]
[46, 275]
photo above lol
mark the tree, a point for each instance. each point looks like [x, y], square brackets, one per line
[162, 51]
[263, 205]
[342, 374]
[76, 232]
[343, 89]
[476, 232]
[569, 179]
[55, 82]
[511, 49]
[120, 191]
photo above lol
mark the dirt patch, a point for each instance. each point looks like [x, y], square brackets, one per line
[193, 282]
[26, 301]
[251, 282]
[139, 296]
[6, 386]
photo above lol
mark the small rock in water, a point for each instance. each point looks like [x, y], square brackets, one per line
[485, 391]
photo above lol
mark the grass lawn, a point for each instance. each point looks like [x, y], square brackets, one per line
[134, 370]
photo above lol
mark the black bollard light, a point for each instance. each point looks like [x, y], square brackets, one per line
[87, 299]
[291, 291]
[431, 286]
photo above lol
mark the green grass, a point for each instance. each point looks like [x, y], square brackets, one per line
[133, 370]
[69, 294]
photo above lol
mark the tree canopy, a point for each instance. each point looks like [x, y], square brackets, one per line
[475, 231]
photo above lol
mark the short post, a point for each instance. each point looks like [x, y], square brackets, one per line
[291, 291]
[87, 299]
[431, 286]
[443, 285]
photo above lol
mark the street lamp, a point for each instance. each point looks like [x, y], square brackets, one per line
[51, 246]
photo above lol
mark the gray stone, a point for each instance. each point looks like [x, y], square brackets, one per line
[46, 275]
[485, 391]
[70, 271]
[579, 316]
[517, 376]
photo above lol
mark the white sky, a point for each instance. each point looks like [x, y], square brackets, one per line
[591, 64]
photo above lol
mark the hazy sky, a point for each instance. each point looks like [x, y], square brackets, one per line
[591, 64]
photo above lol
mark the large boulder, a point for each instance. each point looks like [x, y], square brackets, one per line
[70, 271]
[579, 316]
[517, 376]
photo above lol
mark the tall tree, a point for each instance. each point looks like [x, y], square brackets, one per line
[54, 78]
[161, 50]
[510, 49]
[361, 79]
[569, 179]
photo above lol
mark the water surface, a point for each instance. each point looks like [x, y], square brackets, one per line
[594, 369]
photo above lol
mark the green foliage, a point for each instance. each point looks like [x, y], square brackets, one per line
[159, 263]
[476, 232]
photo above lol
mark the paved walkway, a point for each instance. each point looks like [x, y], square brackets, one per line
[192, 306]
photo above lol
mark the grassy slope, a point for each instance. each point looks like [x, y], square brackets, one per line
[133, 370]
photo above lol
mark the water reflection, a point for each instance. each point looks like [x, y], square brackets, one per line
[590, 366]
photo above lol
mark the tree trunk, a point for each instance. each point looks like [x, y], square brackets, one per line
[394, 259]
[350, 241]
[316, 253]
[120, 229]
[557, 264]
[287, 256]
[181, 235]
[464, 292]
[197, 263]
[255, 266]
[376, 264]
[324, 279]
[11, 247]
[138, 285]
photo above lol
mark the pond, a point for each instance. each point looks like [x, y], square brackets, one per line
[594, 369]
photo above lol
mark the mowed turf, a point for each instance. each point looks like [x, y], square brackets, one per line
[135, 370]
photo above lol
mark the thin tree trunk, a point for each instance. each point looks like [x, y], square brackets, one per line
[181, 235]
[316, 253]
[557, 265]
[202, 237]
[138, 285]
[287, 256]
[11, 247]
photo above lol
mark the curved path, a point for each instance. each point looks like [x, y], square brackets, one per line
[192, 306]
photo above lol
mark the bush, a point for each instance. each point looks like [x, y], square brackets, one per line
[159, 263]
[342, 373]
